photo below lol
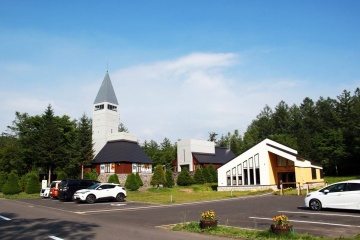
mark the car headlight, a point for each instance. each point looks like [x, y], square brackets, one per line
[82, 192]
[308, 195]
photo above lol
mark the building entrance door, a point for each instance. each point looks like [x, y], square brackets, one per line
[287, 178]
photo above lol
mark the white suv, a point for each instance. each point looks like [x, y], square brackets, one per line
[101, 191]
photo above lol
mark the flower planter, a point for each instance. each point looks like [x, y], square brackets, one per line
[279, 229]
[204, 224]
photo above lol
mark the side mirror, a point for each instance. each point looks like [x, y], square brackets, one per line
[99, 188]
[326, 191]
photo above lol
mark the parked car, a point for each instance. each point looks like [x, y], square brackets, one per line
[101, 191]
[341, 195]
[68, 187]
[54, 189]
[44, 192]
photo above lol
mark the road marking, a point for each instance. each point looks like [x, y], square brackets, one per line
[117, 204]
[169, 205]
[324, 214]
[55, 238]
[321, 223]
[5, 218]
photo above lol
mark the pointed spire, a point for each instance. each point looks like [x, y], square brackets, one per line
[106, 92]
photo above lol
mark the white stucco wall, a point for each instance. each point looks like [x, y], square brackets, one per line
[105, 123]
[261, 150]
[185, 148]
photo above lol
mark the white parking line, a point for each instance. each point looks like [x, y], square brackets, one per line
[5, 218]
[323, 214]
[321, 223]
[55, 238]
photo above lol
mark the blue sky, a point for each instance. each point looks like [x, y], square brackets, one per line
[180, 69]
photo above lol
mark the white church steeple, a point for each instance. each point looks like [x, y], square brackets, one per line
[105, 114]
[105, 120]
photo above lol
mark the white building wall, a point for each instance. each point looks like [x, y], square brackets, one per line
[261, 150]
[185, 148]
[105, 122]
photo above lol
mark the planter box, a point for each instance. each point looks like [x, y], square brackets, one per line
[278, 229]
[208, 224]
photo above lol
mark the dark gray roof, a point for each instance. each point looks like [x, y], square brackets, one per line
[106, 92]
[221, 156]
[122, 151]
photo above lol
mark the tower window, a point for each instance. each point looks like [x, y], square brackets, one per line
[99, 107]
[112, 107]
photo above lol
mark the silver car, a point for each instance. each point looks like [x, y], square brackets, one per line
[341, 195]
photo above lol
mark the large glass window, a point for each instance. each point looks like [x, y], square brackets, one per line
[257, 172]
[251, 163]
[256, 160]
[112, 107]
[239, 170]
[99, 107]
[228, 178]
[313, 173]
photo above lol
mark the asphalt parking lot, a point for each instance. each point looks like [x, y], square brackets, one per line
[254, 212]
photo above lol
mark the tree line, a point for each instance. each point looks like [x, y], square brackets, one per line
[327, 132]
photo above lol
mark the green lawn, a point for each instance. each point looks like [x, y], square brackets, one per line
[194, 193]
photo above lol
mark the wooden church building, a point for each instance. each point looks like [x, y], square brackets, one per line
[115, 152]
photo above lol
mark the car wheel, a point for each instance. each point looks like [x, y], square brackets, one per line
[315, 205]
[120, 197]
[90, 199]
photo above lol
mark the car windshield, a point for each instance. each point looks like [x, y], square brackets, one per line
[94, 186]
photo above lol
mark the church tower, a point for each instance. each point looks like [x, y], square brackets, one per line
[105, 120]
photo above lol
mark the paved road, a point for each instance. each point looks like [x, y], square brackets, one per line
[42, 218]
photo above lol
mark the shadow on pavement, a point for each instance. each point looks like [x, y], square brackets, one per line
[43, 228]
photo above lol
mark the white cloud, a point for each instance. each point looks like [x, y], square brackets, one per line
[180, 98]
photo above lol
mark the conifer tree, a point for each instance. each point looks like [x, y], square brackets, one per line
[32, 185]
[158, 177]
[184, 178]
[3, 178]
[198, 176]
[131, 182]
[61, 176]
[207, 175]
[114, 179]
[138, 179]
[213, 173]
[12, 184]
[169, 178]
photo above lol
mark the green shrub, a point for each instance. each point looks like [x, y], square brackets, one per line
[11, 185]
[3, 178]
[213, 173]
[169, 178]
[158, 177]
[32, 185]
[184, 178]
[92, 175]
[199, 177]
[207, 175]
[138, 179]
[131, 182]
[61, 176]
[113, 178]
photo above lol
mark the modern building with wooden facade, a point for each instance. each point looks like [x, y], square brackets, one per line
[267, 165]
